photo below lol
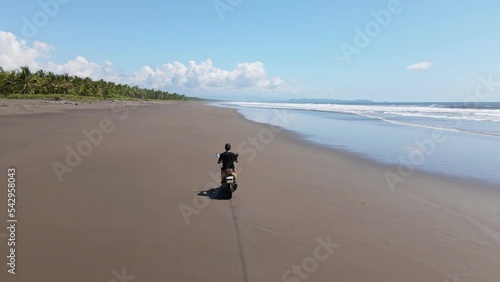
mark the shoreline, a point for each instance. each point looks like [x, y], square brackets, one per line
[125, 206]
[392, 167]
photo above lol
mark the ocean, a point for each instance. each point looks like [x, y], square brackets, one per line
[454, 139]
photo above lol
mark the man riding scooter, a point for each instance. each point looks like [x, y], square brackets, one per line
[228, 159]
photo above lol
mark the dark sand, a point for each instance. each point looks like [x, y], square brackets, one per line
[119, 210]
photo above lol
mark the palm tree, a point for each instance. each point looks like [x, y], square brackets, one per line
[25, 80]
[77, 83]
[87, 85]
[3, 80]
[10, 82]
[66, 83]
[48, 85]
[41, 73]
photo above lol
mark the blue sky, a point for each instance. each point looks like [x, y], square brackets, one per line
[257, 49]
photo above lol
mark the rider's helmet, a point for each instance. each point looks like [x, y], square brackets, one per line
[227, 147]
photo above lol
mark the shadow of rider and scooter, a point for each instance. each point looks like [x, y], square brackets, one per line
[215, 194]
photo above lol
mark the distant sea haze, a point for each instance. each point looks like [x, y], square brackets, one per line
[390, 132]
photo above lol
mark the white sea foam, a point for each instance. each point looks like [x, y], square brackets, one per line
[433, 116]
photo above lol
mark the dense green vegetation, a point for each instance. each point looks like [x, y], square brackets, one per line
[25, 84]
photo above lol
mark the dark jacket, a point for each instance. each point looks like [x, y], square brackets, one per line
[228, 159]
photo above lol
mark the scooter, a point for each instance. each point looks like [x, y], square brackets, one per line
[228, 183]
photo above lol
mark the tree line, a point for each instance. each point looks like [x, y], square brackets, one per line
[23, 81]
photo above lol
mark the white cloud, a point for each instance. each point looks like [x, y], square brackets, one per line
[248, 76]
[205, 75]
[420, 66]
[83, 68]
[15, 53]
